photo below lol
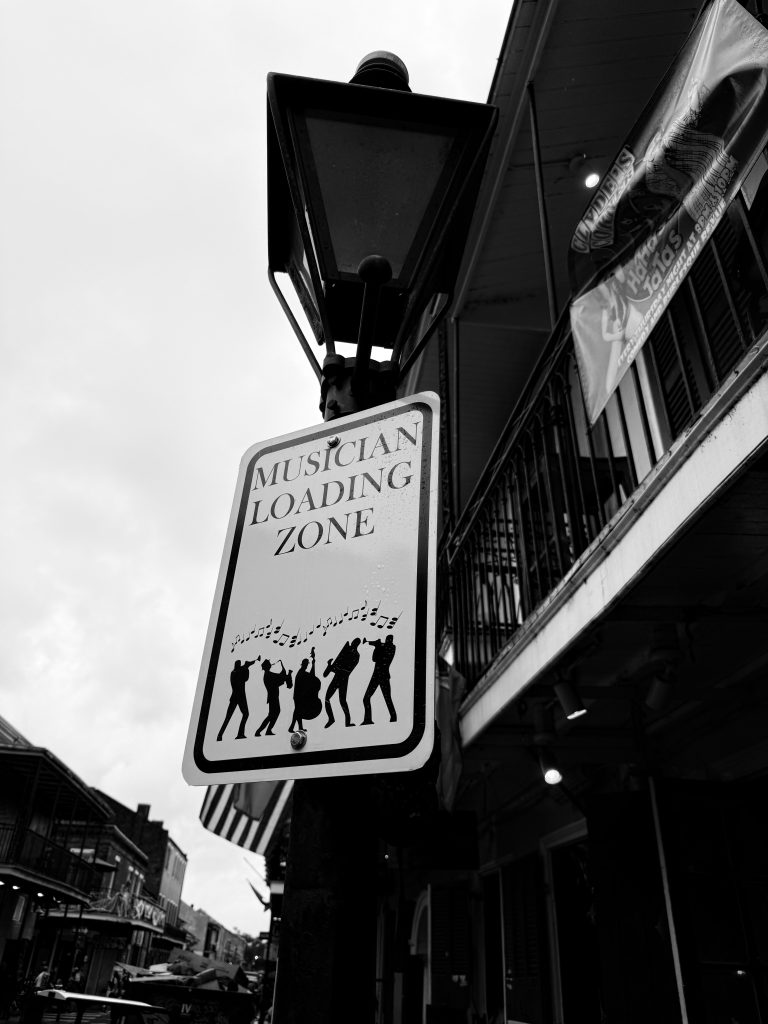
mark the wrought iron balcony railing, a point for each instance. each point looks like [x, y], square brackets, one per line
[33, 851]
[552, 484]
[121, 904]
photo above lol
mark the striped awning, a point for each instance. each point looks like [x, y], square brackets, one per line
[245, 813]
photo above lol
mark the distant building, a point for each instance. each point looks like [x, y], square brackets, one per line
[166, 867]
[119, 924]
[212, 938]
[42, 866]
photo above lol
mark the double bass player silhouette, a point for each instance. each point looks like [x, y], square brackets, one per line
[306, 694]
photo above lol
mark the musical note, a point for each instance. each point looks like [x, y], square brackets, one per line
[381, 621]
[283, 640]
[364, 616]
[293, 640]
[268, 634]
[260, 632]
[375, 611]
[355, 614]
[394, 620]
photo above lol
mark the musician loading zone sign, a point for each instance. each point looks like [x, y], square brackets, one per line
[319, 658]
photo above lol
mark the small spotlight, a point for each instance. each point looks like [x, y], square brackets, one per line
[14, 887]
[661, 687]
[569, 699]
[40, 895]
[591, 180]
[549, 770]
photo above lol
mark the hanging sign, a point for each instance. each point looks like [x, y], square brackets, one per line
[319, 658]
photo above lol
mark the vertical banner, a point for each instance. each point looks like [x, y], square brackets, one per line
[666, 192]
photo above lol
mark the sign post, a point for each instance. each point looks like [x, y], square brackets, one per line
[320, 649]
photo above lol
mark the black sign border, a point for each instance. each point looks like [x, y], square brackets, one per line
[304, 758]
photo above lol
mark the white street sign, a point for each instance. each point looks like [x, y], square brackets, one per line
[319, 658]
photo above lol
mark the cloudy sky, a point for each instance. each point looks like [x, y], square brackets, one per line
[143, 352]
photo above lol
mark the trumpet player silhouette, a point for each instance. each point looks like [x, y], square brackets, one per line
[342, 667]
[272, 683]
[383, 653]
[238, 677]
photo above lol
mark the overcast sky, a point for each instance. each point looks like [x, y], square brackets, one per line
[143, 352]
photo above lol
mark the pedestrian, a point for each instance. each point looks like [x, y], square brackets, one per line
[43, 979]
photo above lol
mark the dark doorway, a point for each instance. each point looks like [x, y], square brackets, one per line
[576, 934]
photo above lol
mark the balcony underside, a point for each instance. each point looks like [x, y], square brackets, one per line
[15, 874]
[689, 552]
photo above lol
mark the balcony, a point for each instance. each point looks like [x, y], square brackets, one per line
[104, 905]
[29, 850]
[554, 489]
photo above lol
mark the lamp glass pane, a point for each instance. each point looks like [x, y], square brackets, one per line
[376, 184]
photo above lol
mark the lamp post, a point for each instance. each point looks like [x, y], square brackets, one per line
[371, 189]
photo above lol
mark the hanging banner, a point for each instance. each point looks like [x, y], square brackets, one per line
[666, 192]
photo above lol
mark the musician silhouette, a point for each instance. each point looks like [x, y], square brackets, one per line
[238, 677]
[383, 653]
[306, 694]
[342, 668]
[272, 683]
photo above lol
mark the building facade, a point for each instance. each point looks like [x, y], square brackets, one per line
[120, 922]
[43, 866]
[211, 938]
[166, 867]
[619, 570]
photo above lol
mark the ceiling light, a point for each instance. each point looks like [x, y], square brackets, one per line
[584, 169]
[549, 770]
[569, 699]
[661, 686]
[14, 887]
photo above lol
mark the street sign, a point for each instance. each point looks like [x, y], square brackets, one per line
[319, 658]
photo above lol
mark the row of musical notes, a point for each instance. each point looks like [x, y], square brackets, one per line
[278, 635]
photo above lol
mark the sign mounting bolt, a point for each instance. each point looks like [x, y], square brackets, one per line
[298, 740]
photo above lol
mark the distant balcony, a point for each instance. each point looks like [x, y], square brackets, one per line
[553, 485]
[126, 906]
[27, 849]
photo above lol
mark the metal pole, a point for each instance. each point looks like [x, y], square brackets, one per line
[326, 969]
[326, 964]
[668, 902]
[545, 242]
